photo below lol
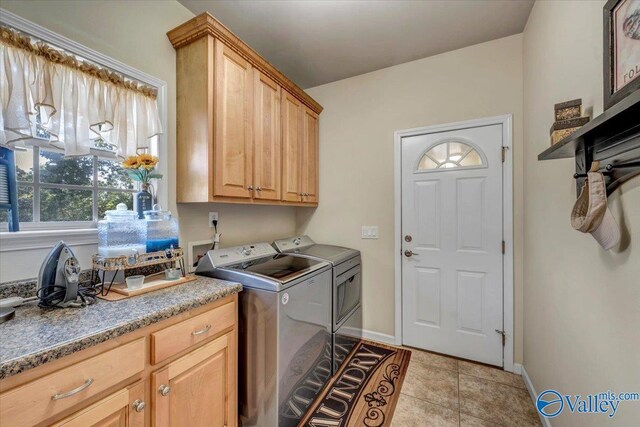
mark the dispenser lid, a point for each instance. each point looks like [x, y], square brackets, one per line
[121, 213]
[157, 214]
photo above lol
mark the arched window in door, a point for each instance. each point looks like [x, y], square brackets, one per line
[452, 154]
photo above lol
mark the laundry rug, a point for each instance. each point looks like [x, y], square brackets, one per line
[365, 391]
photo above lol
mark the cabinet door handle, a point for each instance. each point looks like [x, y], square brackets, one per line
[139, 405]
[164, 389]
[201, 331]
[250, 187]
[70, 393]
[258, 188]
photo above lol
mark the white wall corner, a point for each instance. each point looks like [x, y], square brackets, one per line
[532, 392]
[379, 337]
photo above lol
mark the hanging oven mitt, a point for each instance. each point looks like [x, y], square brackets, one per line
[590, 213]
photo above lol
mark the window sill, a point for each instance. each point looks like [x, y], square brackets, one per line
[45, 239]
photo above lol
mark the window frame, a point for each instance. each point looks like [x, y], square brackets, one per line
[94, 187]
[77, 233]
[474, 147]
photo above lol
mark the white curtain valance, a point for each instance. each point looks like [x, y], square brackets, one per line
[46, 93]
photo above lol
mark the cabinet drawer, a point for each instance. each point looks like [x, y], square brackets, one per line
[47, 396]
[174, 339]
[113, 411]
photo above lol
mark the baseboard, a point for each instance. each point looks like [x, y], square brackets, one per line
[517, 368]
[377, 336]
[532, 392]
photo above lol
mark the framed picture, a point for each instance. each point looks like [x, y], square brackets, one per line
[621, 49]
[196, 251]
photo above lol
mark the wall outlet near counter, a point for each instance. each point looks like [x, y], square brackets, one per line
[213, 216]
[369, 231]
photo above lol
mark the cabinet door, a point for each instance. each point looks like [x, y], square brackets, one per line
[198, 390]
[233, 152]
[124, 408]
[266, 138]
[309, 170]
[291, 147]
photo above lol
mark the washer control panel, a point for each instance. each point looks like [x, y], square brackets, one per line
[236, 254]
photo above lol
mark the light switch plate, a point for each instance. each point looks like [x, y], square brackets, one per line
[369, 231]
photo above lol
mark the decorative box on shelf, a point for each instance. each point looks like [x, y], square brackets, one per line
[170, 259]
[568, 119]
[568, 109]
[563, 128]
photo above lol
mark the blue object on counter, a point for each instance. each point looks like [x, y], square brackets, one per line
[154, 245]
[9, 188]
[162, 230]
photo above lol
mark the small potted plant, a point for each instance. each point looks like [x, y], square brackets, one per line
[141, 168]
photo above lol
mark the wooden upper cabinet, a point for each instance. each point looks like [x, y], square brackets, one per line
[310, 157]
[266, 137]
[233, 154]
[245, 132]
[291, 148]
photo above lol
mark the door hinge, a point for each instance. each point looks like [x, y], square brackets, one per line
[504, 336]
[504, 245]
[504, 153]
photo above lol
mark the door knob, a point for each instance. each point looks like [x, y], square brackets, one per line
[164, 389]
[408, 238]
[408, 253]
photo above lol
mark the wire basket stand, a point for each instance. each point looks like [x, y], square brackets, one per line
[101, 265]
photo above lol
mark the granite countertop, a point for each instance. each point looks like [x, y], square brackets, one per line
[36, 336]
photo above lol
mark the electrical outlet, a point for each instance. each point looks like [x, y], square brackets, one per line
[369, 231]
[213, 216]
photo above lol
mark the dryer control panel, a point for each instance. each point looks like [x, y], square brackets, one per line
[293, 243]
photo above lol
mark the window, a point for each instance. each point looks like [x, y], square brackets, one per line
[451, 154]
[55, 191]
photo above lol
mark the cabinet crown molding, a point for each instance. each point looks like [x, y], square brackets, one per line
[206, 25]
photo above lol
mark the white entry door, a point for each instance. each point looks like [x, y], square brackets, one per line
[452, 243]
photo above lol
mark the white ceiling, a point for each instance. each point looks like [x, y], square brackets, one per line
[319, 41]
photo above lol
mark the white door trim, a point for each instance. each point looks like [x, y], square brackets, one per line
[507, 226]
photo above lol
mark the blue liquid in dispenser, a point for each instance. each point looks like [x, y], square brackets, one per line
[155, 245]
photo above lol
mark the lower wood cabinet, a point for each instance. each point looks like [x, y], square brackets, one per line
[178, 372]
[197, 389]
[125, 408]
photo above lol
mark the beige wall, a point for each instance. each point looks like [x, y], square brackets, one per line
[134, 32]
[582, 304]
[357, 126]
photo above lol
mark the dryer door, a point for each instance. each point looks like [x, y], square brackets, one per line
[346, 296]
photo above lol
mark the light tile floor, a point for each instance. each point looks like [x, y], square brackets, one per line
[443, 391]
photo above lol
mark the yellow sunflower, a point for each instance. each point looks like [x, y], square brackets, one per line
[131, 162]
[147, 161]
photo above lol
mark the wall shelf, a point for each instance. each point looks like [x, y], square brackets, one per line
[612, 138]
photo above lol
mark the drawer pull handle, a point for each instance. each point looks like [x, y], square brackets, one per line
[201, 331]
[70, 393]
